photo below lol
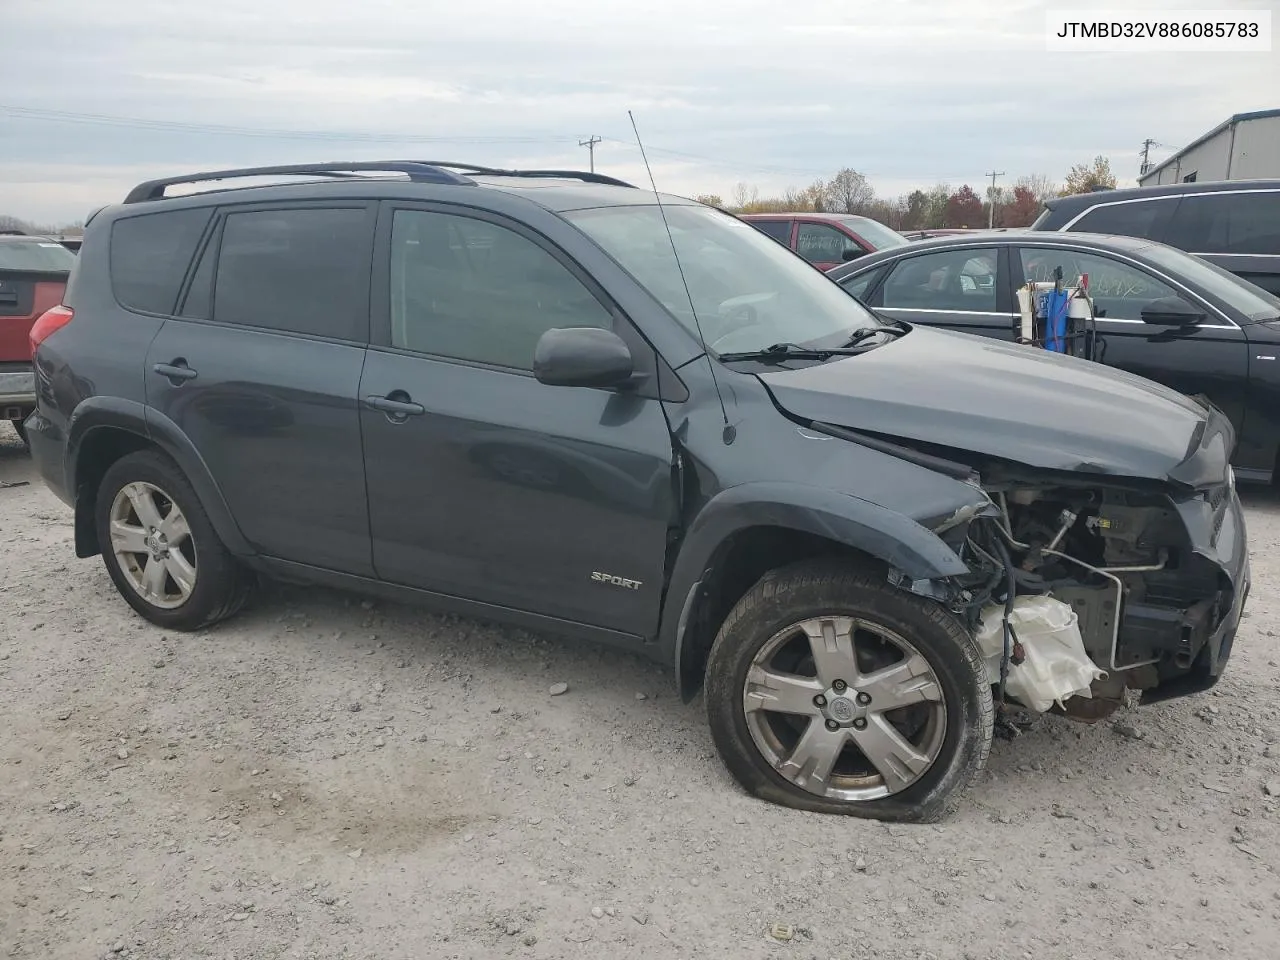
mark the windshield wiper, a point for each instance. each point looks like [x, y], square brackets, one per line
[788, 351]
[896, 327]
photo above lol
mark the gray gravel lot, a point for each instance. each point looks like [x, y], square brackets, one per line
[325, 777]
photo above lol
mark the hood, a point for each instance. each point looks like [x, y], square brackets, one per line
[1014, 402]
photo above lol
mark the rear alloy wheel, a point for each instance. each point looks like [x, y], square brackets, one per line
[152, 544]
[160, 548]
[829, 690]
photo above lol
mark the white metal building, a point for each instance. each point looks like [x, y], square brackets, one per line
[1244, 147]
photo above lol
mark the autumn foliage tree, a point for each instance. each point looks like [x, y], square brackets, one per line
[964, 209]
[1087, 177]
[1023, 207]
[850, 192]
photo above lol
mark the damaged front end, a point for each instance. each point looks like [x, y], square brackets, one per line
[1124, 583]
[1089, 487]
[1154, 577]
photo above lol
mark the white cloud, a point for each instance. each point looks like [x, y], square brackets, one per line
[908, 91]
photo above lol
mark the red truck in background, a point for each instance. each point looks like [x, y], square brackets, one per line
[826, 239]
[33, 276]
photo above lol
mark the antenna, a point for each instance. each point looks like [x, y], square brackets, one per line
[729, 431]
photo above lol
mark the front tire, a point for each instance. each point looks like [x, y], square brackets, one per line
[828, 690]
[161, 550]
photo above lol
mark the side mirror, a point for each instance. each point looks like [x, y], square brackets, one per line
[582, 357]
[1171, 312]
[850, 253]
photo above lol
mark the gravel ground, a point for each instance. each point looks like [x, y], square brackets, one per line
[325, 777]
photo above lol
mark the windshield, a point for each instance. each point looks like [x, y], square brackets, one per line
[44, 255]
[876, 233]
[1254, 302]
[750, 291]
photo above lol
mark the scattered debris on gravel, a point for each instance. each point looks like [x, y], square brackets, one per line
[325, 776]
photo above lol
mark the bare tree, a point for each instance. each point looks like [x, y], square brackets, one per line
[8, 222]
[745, 196]
[815, 197]
[1041, 187]
[849, 192]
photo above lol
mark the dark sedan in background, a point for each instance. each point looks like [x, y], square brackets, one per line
[1220, 338]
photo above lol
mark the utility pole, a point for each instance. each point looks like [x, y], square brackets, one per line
[590, 144]
[1147, 144]
[991, 198]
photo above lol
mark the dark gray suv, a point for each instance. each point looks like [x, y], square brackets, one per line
[556, 400]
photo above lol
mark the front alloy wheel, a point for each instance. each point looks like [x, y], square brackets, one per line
[844, 708]
[830, 690]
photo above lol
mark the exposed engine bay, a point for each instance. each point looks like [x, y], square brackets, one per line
[1146, 603]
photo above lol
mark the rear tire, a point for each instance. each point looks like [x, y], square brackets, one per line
[906, 716]
[21, 430]
[161, 550]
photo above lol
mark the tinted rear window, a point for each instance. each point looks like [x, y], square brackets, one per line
[1228, 223]
[778, 229]
[1126, 219]
[42, 255]
[301, 271]
[150, 255]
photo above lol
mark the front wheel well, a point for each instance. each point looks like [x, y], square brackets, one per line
[99, 449]
[735, 567]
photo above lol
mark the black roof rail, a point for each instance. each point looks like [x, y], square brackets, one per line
[415, 170]
[583, 175]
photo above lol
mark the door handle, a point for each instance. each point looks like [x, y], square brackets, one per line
[396, 405]
[176, 371]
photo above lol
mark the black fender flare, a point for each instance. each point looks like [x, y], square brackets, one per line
[102, 413]
[892, 537]
[168, 436]
[91, 415]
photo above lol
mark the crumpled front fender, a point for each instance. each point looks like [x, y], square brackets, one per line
[903, 543]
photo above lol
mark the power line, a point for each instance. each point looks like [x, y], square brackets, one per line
[355, 137]
[590, 144]
[991, 206]
[716, 161]
[63, 116]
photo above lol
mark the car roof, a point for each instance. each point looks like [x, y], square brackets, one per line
[560, 195]
[807, 214]
[1082, 201]
[1100, 241]
[555, 195]
[555, 190]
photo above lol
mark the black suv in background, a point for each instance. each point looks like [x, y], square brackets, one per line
[556, 400]
[1233, 223]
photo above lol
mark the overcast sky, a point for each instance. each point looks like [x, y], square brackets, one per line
[910, 92]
